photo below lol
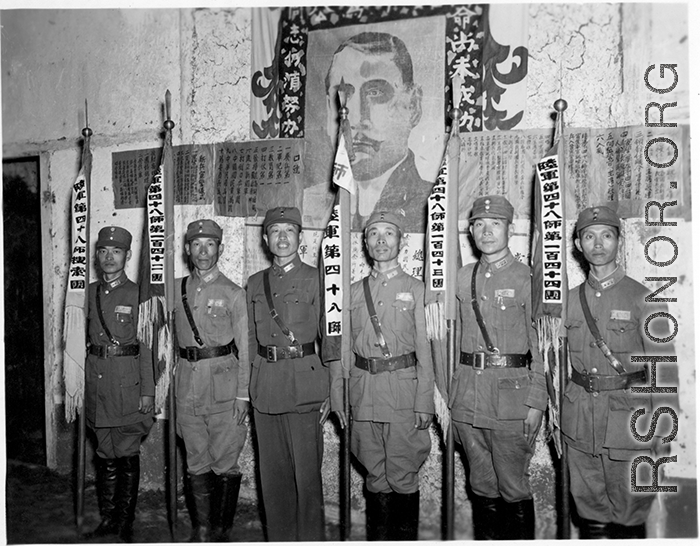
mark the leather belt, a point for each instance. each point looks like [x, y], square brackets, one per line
[273, 353]
[108, 351]
[594, 383]
[194, 354]
[482, 361]
[379, 365]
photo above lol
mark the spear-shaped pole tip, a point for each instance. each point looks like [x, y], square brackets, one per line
[342, 98]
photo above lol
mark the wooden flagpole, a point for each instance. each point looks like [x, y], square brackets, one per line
[82, 431]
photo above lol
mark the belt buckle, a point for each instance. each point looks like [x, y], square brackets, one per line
[592, 384]
[295, 351]
[110, 351]
[479, 361]
[497, 361]
[372, 365]
[192, 354]
[271, 353]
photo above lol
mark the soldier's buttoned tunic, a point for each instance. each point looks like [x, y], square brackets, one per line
[286, 396]
[206, 390]
[596, 426]
[115, 385]
[384, 405]
[489, 406]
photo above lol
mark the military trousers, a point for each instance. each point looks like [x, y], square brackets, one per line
[123, 441]
[212, 442]
[290, 447]
[499, 461]
[392, 454]
[601, 488]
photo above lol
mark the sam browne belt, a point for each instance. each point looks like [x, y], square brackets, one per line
[379, 365]
[482, 361]
[195, 354]
[108, 351]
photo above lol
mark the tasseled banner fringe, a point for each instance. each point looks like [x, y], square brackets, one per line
[548, 345]
[435, 322]
[442, 412]
[151, 319]
[74, 360]
[166, 355]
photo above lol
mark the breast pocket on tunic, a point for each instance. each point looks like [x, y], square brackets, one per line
[123, 324]
[299, 309]
[621, 336]
[404, 319]
[506, 312]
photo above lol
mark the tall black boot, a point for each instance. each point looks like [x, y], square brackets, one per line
[106, 482]
[519, 520]
[404, 516]
[127, 493]
[618, 530]
[485, 517]
[378, 514]
[201, 495]
[227, 487]
[590, 529]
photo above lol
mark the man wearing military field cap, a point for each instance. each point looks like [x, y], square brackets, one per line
[211, 381]
[289, 384]
[391, 383]
[605, 321]
[120, 387]
[498, 391]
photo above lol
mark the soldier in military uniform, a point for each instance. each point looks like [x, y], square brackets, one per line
[119, 388]
[289, 385]
[598, 403]
[498, 392]
[211, 381]
[391, 384]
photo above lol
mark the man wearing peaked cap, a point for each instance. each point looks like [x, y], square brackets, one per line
[610, 308]
[498, 390]
[211, 381]
[120, 387]
[289, 383]
[391, 384]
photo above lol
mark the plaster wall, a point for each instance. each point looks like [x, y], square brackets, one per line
[122, 61]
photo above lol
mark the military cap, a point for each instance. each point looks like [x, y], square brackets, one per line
[604, 216]
[491, 206]
[114, 236]
[203, 228]
[282, 215]
[384, 216]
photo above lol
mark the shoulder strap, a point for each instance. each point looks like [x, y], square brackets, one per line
[593, 327]
[101, 317]
[273, 312]
[477, 313]
[188, 312]
[374, 319]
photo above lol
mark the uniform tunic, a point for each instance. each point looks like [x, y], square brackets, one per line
[489, 406]
[384, 405]
[286, 396]
[597, 427]
[206, 390]
[115, 385]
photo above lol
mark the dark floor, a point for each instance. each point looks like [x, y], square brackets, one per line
[40, 510]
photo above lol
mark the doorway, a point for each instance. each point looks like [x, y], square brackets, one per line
[25, 429]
